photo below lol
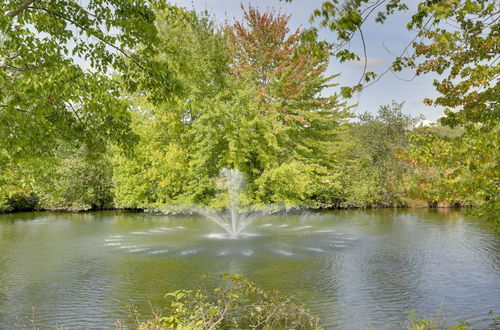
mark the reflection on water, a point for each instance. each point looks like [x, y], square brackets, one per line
[354, 269]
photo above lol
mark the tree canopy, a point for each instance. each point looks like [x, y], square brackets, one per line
[266, 121]
[142, 104]
[56, 62]
[459, 41]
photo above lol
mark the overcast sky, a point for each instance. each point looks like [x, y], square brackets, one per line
[391, 35]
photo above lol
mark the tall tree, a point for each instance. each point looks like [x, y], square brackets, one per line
[182, 141]
[459, 168]
[288, 69]
[228, 116]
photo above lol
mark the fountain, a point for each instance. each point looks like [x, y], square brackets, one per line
[183, 238]
[174, 237]
[235, 219]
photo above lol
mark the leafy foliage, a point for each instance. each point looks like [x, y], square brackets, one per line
[228, 117]
[373, 168]
[18, 183]
[74, 179]
[182, 139]
[141, 104]
[296, 183]
[436, 323]
[78, 181]
[288, 71]
[458, 40]
[239, 304]
[54, 56]
[458, 168]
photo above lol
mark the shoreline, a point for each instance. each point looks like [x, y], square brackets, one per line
[290, 210]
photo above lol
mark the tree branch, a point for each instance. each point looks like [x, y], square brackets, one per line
[364, 53]
[70, 20]
[19, 9]
[15, 68]
[402, 53]
[15, 108]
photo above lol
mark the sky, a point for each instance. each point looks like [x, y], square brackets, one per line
[381, 40]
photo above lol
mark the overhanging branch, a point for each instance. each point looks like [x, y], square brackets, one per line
[15, 108]
[83, 28]
[19, 9]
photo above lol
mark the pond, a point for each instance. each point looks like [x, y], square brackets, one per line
[354, 269]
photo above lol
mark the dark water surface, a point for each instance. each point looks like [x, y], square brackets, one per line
[354, 269]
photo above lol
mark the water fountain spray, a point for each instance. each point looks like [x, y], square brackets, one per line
[235, 219]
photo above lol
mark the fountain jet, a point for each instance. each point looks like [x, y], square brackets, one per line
[235, 219]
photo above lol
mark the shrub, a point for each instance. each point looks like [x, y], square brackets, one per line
[298, 184]
[18, 202]
[415, 322]
[239, 304]
[79, 182]
[4, 206]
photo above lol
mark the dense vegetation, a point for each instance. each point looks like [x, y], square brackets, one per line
[170, 99]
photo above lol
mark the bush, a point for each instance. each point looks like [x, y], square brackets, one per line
[18, 202]
[415, 322]
[4, 206]
[298, 184]
[78, 182]
[239, 304]
[418, 323]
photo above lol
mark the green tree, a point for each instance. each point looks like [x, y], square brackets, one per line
[179, 151]
[458, 40]
[58, 66]
[458, 167]
[373, 167]
[55, 61]
[76, 180]
[17, 184]
[218, 119]
[288, 70]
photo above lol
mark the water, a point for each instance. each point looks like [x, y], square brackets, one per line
[235, 219]
[354, 269]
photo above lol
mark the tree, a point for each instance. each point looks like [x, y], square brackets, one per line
[458, 40]
[181, 138]
[56, 58]
[374, 168]
[288, 71]
[223, 117]
[76, 180]
[458, 167]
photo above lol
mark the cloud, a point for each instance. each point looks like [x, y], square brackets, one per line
[426, 123]
[370, 62]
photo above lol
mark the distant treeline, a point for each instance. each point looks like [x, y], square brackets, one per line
[376, 162]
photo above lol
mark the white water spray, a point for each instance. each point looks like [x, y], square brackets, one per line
[235, 219]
